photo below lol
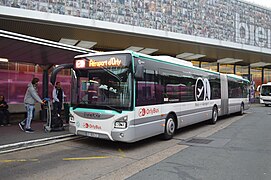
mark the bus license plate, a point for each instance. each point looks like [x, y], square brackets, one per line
[92, 135]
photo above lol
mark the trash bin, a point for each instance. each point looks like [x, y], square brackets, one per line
[66, 112]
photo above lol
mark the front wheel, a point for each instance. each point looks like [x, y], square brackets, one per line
[170, 127]
[242, 109]
[214, 115]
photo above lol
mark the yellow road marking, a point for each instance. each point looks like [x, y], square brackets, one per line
[17, 160]
[86, 158]
[121, 153]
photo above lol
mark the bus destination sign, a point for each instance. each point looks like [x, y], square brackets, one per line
[91, 63]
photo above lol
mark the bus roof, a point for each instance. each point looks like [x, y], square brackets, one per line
[163, 58]
[267, 84]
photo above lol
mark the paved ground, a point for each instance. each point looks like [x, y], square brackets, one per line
[13, 134]
[240, 151]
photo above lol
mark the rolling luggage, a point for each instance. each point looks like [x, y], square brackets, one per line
[53, 119]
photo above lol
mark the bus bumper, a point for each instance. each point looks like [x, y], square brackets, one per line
[124, 135]
[73, 130]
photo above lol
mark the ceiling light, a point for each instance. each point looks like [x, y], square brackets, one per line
[183, 55]
[3, 60]
[86, 44]
[259, 64]
[148, 51]
[134, 48]
[228, 61]
[195, 56]
[68, 41]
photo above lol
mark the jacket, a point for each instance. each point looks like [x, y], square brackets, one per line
[5, 105]
[31, 95]
[55, 99]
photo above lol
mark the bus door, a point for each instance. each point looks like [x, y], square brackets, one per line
[224, 94]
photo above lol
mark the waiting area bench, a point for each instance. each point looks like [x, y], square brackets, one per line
[18, 112]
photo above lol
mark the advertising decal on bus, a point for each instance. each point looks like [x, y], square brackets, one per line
[202, 89]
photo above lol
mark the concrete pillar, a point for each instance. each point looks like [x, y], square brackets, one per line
[262, 75]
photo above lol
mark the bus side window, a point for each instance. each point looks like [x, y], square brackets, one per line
[146, 89]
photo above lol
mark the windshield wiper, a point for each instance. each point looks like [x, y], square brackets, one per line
[76, 106]
[115, 109]
[112, 74]
[79, 104]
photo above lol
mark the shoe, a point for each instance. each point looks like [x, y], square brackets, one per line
[21, 126]
[2, 125]
[29, 130]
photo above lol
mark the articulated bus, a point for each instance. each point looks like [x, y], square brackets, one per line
[128, 96]
[265, 94]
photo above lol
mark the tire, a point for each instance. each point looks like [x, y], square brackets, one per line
[266, 105]
[214, 115]
[170, 127]
[241, 109]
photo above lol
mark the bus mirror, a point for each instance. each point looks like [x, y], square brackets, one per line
[57, 69]
[139, 73]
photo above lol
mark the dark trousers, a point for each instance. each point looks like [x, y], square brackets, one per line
[57, 106]
[4, 117]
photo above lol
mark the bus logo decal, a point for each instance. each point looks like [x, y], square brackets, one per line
[91, 126]
[202, 90]
[146, 111]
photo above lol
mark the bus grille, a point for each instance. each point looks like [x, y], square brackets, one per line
[101, 136]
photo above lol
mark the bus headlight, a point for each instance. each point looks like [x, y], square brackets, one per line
[71, 118]
[121, 123]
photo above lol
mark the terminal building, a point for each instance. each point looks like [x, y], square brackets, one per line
[228, 36]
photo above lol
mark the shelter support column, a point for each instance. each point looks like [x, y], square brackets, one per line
[234, 69]
[249, 73]
[45, 82]
[262, 75]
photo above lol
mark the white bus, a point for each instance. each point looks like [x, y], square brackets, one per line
[128, 96]
[265, 94]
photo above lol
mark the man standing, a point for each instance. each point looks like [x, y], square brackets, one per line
[30, 98]
[58, 98]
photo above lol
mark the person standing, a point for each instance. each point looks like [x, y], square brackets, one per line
[30, 98]
[58, 98]
[4, 113]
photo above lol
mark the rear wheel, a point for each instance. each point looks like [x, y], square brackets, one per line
[214, 115]
[170, 127]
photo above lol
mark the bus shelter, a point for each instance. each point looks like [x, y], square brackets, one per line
[16, 47]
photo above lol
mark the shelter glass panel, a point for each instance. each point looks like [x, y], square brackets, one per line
[256, 80]
[242, 71]
[267, 75]
[226, 68]
[209, 66]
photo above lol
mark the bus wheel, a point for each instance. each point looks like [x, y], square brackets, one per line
[170, 127]
[242, 109]
[214, 115]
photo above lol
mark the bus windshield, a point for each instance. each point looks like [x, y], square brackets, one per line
[266, 90]
[104, 85]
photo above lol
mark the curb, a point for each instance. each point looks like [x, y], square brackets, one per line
[36, 143]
